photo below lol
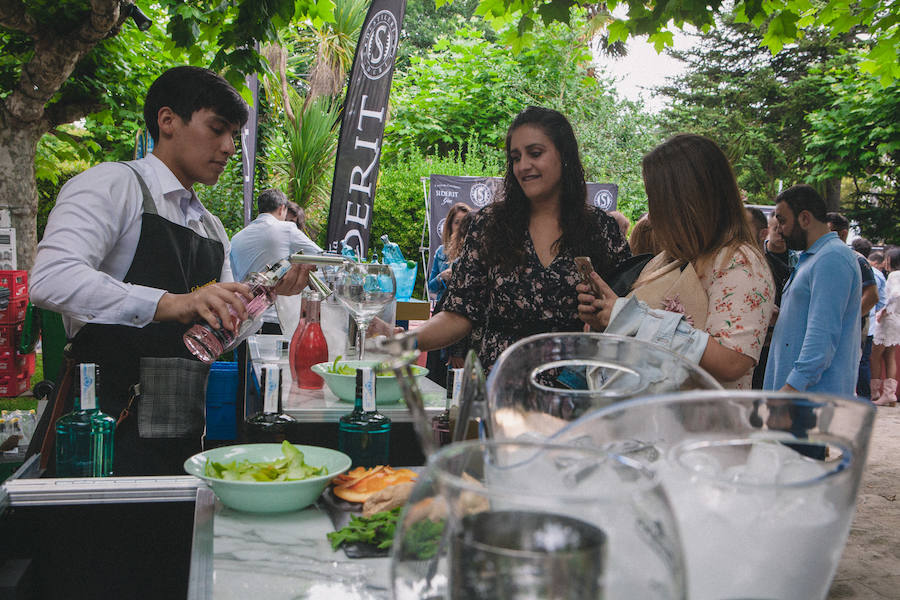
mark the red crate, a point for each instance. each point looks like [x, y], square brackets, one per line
[9, 335]
[29, 365]
[16, 281]
[15, 312]
[13, 386]
[12, 363]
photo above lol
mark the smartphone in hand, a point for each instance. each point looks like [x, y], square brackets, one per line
[585, 268]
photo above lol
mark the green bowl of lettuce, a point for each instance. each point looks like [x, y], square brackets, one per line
[267, 478]
[340, 377]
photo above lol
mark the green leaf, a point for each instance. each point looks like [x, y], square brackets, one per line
[618, 31]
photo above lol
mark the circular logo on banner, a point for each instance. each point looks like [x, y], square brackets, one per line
[440, 226]
[379, 44]
[603, 200]
[481, 194]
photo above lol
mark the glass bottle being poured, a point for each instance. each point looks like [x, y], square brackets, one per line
[208, 344]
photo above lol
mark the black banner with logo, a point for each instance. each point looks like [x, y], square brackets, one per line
[248, 149]
[362, 127]
[446, 190]
[603, 195]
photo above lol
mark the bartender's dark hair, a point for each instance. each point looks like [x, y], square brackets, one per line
[504, 237]
[188, 89]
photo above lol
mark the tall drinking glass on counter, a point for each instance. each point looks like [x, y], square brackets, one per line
[364, 289]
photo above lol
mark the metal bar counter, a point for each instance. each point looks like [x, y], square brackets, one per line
[232, 555]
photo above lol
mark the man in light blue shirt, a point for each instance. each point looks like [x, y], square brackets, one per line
[268, 238]
[816, 342]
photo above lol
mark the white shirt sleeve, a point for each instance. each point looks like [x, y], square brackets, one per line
[85, 251]
[300, 242]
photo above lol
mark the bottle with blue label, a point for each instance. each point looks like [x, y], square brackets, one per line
[85, 436]
[365, 434]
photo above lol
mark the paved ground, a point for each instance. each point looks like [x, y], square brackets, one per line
[870, 566]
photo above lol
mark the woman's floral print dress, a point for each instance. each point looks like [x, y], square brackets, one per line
[506, 306]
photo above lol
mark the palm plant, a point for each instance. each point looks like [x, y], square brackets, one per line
[335, 46]
[303, 90]
[301, 152]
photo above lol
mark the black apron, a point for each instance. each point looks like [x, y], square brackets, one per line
[165, 424]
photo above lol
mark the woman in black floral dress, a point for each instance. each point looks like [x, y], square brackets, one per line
[516, 276]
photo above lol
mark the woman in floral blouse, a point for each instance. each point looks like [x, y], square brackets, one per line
[698, 221]
[516, 276]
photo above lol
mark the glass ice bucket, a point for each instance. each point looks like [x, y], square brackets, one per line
[542, 382]
[763, 484]
[515, 521]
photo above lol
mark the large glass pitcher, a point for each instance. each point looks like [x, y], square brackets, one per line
[518, 521]
[542, 382]
[763, 484]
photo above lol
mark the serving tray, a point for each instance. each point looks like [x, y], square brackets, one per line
[340, 511]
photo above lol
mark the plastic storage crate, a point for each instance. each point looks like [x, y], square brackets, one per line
[16, 282]
[9, 335]
[221, 400]
[15, 311]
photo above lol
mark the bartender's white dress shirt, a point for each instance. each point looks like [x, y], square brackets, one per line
[91, 237]
[264, 241]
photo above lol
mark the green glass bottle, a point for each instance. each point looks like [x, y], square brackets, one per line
[365, 434]
[271, 426]
[85, 436]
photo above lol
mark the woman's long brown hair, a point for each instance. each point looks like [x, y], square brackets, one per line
[695, 205]
[451, 245]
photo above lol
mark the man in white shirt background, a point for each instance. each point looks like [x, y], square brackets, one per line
[130, 258]
[268, 238]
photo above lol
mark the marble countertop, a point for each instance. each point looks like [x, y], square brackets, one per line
[287, 557]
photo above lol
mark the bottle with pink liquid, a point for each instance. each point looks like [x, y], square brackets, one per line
[208, 344]
[308, 347]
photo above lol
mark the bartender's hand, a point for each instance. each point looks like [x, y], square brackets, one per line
[210, 303]
[594, 310]
[294, 280]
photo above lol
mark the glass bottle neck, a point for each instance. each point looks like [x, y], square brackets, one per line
[312, 310]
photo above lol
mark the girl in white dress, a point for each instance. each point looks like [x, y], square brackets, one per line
[887, 335]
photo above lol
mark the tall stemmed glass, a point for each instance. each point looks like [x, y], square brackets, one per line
[365, 289]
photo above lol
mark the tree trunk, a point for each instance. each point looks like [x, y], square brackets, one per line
[833, 194]
[18, 190]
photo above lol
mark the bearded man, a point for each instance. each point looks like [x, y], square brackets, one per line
[816, 342]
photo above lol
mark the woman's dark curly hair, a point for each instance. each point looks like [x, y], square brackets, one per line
[504, 239]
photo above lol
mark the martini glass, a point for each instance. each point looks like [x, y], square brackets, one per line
[365, 289]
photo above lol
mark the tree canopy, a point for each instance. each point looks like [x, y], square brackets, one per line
[785, 22]
[62, 60]
[752, 103]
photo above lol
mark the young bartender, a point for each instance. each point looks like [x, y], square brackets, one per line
[130, 258]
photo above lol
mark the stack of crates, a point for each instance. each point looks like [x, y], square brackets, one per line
[15, 369]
